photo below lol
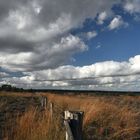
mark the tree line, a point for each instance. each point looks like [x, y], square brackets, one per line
[7, 87]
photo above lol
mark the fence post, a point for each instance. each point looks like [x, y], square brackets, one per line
[43, 102]
[74, 120]
[51, 109]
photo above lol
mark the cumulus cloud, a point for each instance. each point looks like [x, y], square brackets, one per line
[35, 39]
[3, 74]
[117, 22]
[102, 74]
[132, 6]
[91, 35]
[52, 57]
[37, 27]
[103, 16]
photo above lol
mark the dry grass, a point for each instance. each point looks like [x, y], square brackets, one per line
[105, 118]
[2, 104]
[16, 94]
[36, 125]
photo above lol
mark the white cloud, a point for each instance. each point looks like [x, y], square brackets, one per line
[103, 16]
[135, 64]
[91, 35]
[108, 75]
[103, 74]
[98, 46]
[56, 55]
[18, 20]
[36, 6]
[15, 62]
[37, 27]
[117, 22]
[62, 25]
[132, 6]
[35, 39]
[3, 74]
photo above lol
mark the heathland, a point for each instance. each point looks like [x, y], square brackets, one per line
[106, 117]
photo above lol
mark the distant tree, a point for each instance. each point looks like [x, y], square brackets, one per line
[6, 87]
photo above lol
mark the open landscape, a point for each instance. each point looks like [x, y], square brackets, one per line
[22, 116]
[69, 69]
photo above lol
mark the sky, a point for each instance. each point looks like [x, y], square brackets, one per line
[73, 44]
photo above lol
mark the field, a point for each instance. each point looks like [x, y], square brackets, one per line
[105, 117]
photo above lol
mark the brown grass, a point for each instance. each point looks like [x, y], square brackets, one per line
[105, 118]
[35, 125]
[2, 104]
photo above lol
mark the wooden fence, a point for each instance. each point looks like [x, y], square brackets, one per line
[73, 123]
[73, 120]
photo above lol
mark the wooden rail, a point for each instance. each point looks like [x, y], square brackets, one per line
[69, 135]
[73, 123]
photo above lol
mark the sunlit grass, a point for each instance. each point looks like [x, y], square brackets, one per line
[105, 117]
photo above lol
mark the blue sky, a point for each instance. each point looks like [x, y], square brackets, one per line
[118, 45]
[77, 44]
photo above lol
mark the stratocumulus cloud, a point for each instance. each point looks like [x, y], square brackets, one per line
[36, 41]
[108, 74]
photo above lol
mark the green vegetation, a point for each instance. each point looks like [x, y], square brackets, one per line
[7, 87]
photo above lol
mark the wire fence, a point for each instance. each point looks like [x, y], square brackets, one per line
[104, 133]
[72, 122]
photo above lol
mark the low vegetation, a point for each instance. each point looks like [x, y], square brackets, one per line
[105, 117]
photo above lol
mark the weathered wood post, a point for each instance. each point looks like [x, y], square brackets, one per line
[73, 122]
[51, 109]
[43, 102]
